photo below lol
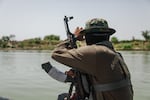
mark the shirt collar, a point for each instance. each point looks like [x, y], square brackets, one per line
[107, 44]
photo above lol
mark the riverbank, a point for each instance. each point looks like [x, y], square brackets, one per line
[133, 45]
[138, 45]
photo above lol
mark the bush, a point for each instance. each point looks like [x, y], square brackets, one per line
[114, 40]
[148, 46]
[127, 46]
[51, 37]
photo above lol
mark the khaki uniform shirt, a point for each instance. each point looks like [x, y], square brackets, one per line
[96, 61]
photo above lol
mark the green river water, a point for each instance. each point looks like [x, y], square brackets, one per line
[22, 78]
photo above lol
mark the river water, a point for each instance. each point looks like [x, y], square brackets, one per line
[22, 78]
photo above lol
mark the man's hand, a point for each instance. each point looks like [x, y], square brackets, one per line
[77, 34]
[70, 73]
[47, 66]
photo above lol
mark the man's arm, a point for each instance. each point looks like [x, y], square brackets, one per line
[82, 59]
[55, 73]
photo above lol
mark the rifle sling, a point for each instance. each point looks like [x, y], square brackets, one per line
[112, 86]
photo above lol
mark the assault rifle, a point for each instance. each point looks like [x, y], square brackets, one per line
[79, 91]
[70, 36]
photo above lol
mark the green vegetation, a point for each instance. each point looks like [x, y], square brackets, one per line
[114, 40]
[146, 35]
[50, 41]
[133, 44]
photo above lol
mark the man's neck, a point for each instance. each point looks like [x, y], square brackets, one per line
[106, 43]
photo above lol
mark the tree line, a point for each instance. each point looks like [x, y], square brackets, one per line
[50, 41]
[145, 34]
[134, 44]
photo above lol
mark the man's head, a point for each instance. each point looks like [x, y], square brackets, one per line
[97, 30]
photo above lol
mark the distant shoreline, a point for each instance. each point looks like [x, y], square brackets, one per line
[121, 46]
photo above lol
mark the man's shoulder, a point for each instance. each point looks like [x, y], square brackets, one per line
[94, 48]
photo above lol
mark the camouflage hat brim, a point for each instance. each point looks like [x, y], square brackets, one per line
[101, 31]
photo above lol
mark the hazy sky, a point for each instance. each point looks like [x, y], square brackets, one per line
[37, 18]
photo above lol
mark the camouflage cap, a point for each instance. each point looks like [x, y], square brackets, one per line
[99, 26]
